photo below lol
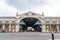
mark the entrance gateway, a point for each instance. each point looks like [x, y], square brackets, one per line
[30, 21]
[30, 24]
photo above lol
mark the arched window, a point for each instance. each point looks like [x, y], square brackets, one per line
[47, 21]
[13, 23]
[6, 24]
[54, 22]
[1, 24]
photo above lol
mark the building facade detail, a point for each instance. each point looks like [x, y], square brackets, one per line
[30, 21]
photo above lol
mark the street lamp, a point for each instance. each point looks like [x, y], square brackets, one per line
[52, 35]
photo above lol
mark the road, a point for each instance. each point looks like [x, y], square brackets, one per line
[28, 36]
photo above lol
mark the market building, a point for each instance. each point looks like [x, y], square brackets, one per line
[30, 21]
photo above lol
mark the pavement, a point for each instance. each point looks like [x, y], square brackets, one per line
[28, 36]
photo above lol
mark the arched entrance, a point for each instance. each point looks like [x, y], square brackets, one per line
[30, 24]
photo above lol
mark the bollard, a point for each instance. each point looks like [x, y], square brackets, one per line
[52, 35]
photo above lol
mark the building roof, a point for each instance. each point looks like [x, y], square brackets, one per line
[8, 17]
[53, 17]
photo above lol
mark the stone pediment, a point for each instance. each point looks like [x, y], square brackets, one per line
[30, 13]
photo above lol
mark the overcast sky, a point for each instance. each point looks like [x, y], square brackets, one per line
[49, 7]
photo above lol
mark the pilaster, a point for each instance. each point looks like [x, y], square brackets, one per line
[17, 28]
[10, 28]
[3, 27]
[43, 28]
[57, 28]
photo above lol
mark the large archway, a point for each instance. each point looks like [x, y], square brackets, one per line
[30, 24]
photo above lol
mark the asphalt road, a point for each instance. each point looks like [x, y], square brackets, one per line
[28, 36]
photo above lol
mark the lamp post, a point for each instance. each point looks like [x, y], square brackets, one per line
[52, 35]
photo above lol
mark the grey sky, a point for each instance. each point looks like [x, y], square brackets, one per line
[10, 7]
[25, 4]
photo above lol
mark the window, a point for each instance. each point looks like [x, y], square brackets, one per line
[13, 22]
[53, 22]
[47, 21]
[0, 22]
[33, 14]
[6, 24]
[26, 14]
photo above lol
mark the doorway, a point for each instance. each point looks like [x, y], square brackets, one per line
[30, 25]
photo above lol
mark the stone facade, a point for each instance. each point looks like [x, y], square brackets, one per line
[13, 24]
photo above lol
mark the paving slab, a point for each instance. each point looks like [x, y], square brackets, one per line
[27, 36]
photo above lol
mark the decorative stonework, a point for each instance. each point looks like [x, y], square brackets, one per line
[19, 17]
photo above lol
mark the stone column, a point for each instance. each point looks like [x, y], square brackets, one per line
[57, 28]
[13, 28]
[47, 28]
[10, 29]
[3, 28]
[17, 27]
[43, 28]
[50, 28]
